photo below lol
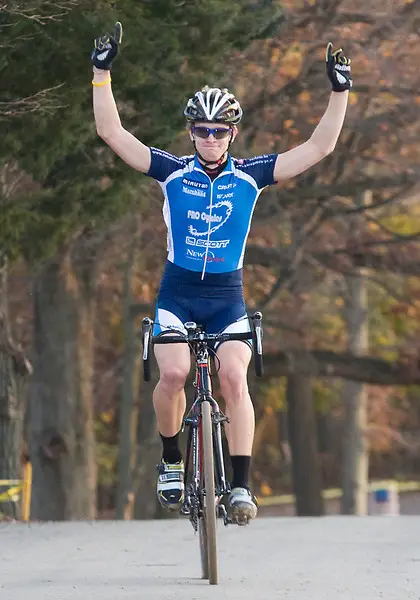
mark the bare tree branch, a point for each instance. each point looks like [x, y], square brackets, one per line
[269, 257]
[43, 101]
[15, 32]
[325, 363]
[42, 12]
[347, 188]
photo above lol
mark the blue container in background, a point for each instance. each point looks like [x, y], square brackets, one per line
[381, 496]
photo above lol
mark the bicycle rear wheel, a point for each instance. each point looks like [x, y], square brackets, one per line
[207, 525]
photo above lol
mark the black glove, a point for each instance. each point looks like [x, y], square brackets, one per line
[338, 69]
[106, 48]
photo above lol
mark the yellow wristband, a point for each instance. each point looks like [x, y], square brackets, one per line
[98, 84]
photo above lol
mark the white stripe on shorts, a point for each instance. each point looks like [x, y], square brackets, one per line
[167, 321]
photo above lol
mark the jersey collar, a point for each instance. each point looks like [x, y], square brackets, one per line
[227, 169]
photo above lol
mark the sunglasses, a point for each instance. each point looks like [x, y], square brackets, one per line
[218, 132]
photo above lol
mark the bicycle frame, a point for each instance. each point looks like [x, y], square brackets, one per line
[193, 457]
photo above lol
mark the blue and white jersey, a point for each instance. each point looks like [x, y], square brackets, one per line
[209, 221]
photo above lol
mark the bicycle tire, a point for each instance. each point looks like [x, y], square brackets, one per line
[209, 511]
[202, 532]
[204, 555]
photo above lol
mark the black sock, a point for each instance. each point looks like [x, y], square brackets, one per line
[240, 467]
[171, 452]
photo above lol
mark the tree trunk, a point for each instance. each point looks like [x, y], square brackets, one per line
[283, 429]
[355, 459]
[62, 435]
[11, 398]
[306, 470]
[128, 413]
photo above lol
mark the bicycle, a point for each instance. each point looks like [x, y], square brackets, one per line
[205, 476]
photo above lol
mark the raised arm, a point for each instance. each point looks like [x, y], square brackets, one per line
[324, 138]
[108, 124]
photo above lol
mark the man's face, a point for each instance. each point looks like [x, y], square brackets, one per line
[211, 146]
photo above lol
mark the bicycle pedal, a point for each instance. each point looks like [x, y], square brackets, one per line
[222, 514]
[241, 521]
[185, 507]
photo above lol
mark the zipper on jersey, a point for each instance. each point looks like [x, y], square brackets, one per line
[209, 228]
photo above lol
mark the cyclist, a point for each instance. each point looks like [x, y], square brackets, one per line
[209, 198]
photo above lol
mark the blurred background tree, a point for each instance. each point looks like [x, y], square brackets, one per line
[82, 238]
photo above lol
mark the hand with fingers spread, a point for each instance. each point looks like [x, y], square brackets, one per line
[106, 48]
[338, 69]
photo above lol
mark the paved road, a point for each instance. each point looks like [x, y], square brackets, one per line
[341, 558]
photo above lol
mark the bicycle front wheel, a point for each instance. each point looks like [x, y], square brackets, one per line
[207, 529]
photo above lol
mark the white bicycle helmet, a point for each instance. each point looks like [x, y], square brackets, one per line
[214, 105]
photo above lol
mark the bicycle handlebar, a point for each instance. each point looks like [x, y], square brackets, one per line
[195, 335]
[165, 338]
